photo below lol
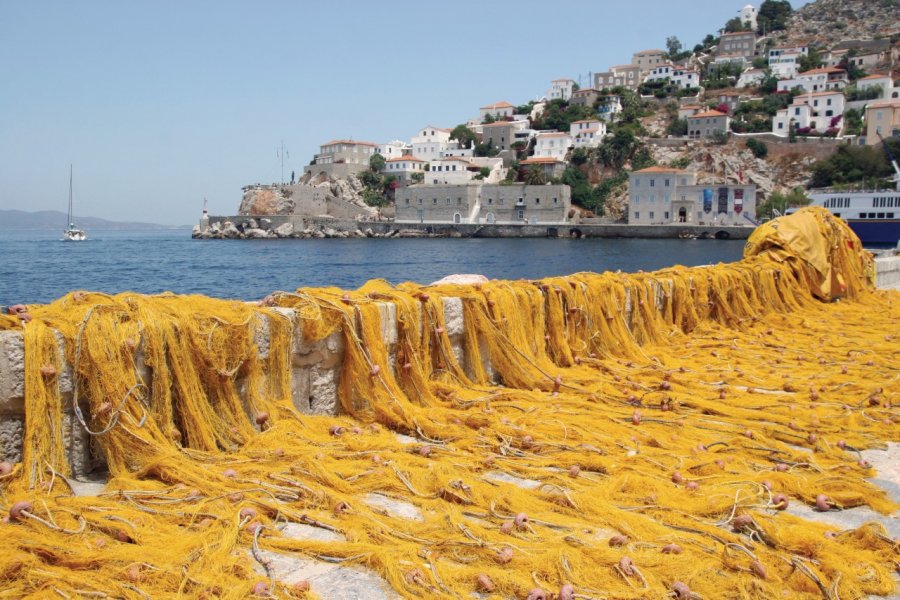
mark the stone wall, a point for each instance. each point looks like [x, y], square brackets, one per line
[887, 272]
[315, 370]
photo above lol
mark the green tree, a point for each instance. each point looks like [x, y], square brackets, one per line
[578, 182]
[374, 198]
[463, 135]
[812, 60]
[678, 128]
[488, 119]
[781, 202]
[486, 149]
[759, 149]
[854, 164]
[849, 65]
[534, 175]
[580, 156]
[642, 158]
[853, 122]
[735, 24]
[417, 177]
[617, 149]
[376, 163]
[673, 47]
[482, 173]
[773, 15]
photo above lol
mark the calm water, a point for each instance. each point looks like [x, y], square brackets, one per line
[37, 267]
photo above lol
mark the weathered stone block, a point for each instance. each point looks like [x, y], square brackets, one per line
[12, 372]
[12, 430]
[300, 389]
[453, 316]
[388, 313]
[323, 390]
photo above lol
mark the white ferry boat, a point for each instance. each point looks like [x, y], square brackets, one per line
[873, 215]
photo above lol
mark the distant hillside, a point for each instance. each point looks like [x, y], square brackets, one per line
[55, 220]
[828, 21]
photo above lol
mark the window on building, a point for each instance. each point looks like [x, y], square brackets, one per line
[407, 200]
[652, 214]
[490, 200]
[420, 201]
[666, 215]
[637, 215]
[666, 184]
[652, 183]
[555, 201]
[434, 201]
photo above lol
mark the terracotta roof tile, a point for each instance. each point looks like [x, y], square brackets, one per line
[356, 142]
[405, 158]
[540, 160]
[661, 170]
[709, 113]
[823, 70]
[503, 104]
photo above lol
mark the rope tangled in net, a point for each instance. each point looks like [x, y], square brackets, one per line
[592, 436]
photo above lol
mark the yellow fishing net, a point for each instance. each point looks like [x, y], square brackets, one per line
[595, 436]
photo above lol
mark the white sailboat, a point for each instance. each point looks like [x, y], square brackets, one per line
[72, 234]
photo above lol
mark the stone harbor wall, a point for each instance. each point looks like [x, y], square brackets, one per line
[296, 226]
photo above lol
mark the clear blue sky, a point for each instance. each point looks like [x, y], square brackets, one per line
[158, 104]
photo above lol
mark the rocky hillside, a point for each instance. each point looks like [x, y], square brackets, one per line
[312, 196]
[727, 163]
[827, 21]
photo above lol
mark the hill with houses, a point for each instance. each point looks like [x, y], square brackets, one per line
[759, 102]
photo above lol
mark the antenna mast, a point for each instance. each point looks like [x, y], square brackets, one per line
[282, 153]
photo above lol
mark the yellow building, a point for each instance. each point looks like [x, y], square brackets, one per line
[882, 118]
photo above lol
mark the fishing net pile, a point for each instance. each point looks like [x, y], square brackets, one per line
[605, 436]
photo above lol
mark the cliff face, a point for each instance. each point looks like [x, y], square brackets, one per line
[312, 196]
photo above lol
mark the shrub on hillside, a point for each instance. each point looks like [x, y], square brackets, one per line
[758, 148]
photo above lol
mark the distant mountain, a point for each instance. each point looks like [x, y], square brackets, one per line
[53, 219]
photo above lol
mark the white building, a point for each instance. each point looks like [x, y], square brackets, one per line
[685, 78]
[784, 61]
[394, 149]
[450, 170]
[659, 73]
[748, 16]
[816, 80]
[664, 196]
[817, 111]
[403, 167]
[552, 144]
[610, 106]
[497, 110]
[878, 81]
[430, 142]
[587, 133]
[561, 89]
[751, 78]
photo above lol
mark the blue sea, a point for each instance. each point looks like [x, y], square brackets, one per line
[37, 267]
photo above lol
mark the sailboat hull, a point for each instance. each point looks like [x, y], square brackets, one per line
[74, 235]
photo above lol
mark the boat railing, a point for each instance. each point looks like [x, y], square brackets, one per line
[832, 190]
